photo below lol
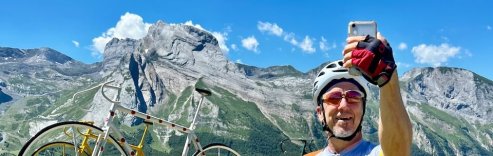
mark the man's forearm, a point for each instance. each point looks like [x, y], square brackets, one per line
[395, 129]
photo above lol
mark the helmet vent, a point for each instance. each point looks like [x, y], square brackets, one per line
[321, 73]
[333, 65]
[340, 70]
[340, 63]
[315, 84]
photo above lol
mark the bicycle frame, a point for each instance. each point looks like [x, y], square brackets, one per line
[109, 126]
[85, 147]
[84, 143]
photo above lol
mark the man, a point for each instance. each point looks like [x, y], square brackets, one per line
[341, 97]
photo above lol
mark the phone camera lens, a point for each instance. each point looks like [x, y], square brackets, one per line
[353, 25]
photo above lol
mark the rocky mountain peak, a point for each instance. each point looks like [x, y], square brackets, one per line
[248, 104]
[7, 52]
[182, 44]
[49, 55]
[460, 91]
[171, 57]
[269, 72]
[34, 56]
[181, 30]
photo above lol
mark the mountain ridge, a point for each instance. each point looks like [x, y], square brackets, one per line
[249, 104]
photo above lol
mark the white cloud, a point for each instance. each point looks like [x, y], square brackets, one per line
[228, 29]
[488, 27]
[402, 64]
[129, 26]
[326, 55]
[239, 61]
[76, 44]
[465, 53]
[434, 55]
[250, 43]
[234, 47]
[99, 43]
[468, 53]
[190, 23]
[221, 39]
[273, 29]
[324, 46]
[402, 46]
[289, 37]
[307, 45]
[444, 38]
[96, 54]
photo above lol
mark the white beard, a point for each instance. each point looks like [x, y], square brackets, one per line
[339, 132]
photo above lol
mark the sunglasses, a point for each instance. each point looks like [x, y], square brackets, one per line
[352, 96]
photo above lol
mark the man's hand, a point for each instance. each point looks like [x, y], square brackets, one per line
[394, 126]
[373, 57]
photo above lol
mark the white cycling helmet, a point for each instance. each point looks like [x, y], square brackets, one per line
[335, 71]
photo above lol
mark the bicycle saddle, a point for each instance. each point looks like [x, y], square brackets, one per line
[204, 92]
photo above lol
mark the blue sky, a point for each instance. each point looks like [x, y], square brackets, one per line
[304, 34]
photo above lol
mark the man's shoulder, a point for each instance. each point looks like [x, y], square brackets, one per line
[314, 153]
[363, 148]
[367, 144]
[370, 149]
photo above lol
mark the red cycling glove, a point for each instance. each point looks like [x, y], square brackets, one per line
[375, 60]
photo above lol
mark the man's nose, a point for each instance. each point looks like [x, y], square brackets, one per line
[343, 104]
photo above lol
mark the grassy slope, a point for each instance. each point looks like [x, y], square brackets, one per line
[260, 138]
[17, 124]
[246, 129]
[459, 136]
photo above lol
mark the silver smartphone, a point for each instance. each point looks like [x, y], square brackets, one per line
[361, 28]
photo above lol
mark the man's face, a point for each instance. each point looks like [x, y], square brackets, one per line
[342, 117]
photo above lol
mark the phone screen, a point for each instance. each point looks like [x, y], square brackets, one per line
[362, 28]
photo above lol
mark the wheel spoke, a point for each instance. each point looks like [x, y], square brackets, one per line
[217, 150]
[68, 138]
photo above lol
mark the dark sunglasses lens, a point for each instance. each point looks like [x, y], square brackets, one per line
[353, 94]
[335, 95]
[333, 98]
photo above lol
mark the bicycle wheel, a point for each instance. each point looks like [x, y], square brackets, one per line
[58, 148]
[81, 134]
[217, 149]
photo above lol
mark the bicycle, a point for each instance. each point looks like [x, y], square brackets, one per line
[83, 138]
[306, 145]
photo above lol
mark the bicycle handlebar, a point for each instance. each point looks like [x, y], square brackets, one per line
[106, 85]
[303, 141]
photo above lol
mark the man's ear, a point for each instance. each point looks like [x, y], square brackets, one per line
[320, 114]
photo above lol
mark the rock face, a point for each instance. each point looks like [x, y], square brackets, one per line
[250, 108]
[161, 67]
[32, 81]
[41, 71]
[39, 56]
[459, 91]
[453, 103]
[172, 57]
